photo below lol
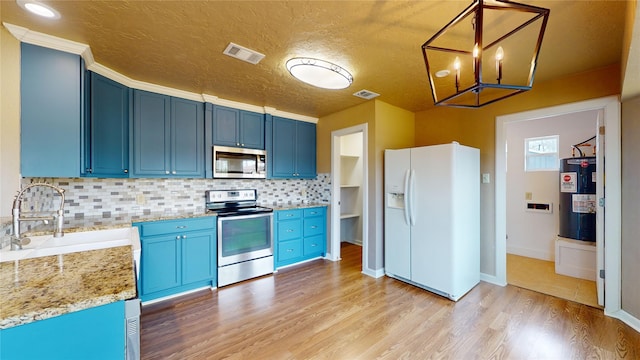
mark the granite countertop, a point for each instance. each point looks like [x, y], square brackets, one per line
[40, 288]
[296, 206]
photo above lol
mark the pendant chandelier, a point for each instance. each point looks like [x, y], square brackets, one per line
[487, 53]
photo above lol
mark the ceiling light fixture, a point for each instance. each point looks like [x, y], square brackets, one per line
[492, 50]
[319, 73]
[39, 9]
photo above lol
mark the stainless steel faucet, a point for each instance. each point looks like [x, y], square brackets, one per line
[16, 239]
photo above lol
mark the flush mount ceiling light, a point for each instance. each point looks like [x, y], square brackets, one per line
[39, 9]
[319, 73]
[487, 53]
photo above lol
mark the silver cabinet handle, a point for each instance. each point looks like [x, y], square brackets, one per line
[314, 245]
[166, 172]
[289, 250]
[289, 230]
[181, 227]
[237, 144]
[314, 227]
[173, 172]
[126, 171]
[242, 145]
[178, 237]
[184, 236]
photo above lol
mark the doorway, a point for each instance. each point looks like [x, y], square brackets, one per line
[608, 260]
[349, 189]
[537, 259]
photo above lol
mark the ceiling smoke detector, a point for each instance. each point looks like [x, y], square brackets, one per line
[242, 53]
[366, 94]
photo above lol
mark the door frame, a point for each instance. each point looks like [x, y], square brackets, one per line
[334, 250]
[612, 168]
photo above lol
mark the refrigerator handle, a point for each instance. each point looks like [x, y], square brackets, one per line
[412, 187]
[407, 174]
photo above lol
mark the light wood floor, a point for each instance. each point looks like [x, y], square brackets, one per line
[329, 310]
[540, 275]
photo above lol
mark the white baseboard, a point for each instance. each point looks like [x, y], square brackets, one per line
[532, 253]
[492, 279]
[373, 273]
[626, 318]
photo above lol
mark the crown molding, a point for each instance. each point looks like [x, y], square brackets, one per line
[52, 42]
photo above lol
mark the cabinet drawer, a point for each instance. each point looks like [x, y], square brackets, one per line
[289, 249]
[289, 214]
[314, 226]
[314, 245]
[313, 212]
[290, 229]
[175, 226]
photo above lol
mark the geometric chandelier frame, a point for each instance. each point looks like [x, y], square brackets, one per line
[487, 53]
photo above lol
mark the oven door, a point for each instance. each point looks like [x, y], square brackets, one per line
[244, 237]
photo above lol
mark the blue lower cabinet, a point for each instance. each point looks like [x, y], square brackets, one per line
[300, 234]
[177, 256]
[95, 333]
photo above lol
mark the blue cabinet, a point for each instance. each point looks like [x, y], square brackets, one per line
[300, 235]
[68, 336]
[51, 112]
[237, 128]
[177, 256]
[294, 149]
[168, 136]
[107, 129]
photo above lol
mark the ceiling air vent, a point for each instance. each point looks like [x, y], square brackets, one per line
[242, 53]
[366, 94]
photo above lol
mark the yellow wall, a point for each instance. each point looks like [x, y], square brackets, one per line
[476, 127]
[388, 127]
[9, 120]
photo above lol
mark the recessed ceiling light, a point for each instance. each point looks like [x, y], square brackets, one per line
[442, 73]
[319, 73]
[39, 9]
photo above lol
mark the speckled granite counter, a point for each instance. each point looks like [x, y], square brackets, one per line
[40, 288]
[296, 206]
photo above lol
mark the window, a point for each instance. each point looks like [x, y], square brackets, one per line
[541, 153]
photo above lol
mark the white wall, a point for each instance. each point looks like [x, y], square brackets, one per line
[533, 234]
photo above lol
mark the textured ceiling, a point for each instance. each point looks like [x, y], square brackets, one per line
[179, 44]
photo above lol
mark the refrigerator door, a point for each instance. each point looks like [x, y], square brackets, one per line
[397, 243]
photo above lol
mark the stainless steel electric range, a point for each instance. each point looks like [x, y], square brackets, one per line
[245, 235]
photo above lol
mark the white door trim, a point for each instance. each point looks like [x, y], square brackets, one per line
[334, 253]
[611, 107]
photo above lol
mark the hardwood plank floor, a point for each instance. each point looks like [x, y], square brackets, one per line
[329, 310]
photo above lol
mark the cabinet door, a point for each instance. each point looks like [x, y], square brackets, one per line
[284, 147]
[151, 128]
[160, 269]
[306, 150]
[198, 256]
[50, 113]
[314, 245]
[187, 138]
[251, 130]
[226, 128]
[108, 150]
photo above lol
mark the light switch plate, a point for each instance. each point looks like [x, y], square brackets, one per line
[486, 178]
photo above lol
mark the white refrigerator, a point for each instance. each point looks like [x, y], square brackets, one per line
[432, 217]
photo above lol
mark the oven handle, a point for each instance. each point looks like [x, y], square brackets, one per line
[241, 217]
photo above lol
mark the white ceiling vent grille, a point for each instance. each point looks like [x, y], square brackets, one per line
[366, 94]
[242, 53]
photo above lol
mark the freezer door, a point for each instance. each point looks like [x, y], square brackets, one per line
[397, 236]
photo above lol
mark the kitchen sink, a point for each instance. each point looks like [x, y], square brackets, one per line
[47, 245]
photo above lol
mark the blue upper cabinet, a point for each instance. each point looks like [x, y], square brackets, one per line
[294, 149]
[51, 112]
[107, 129]
[168, 136]
[237, 128]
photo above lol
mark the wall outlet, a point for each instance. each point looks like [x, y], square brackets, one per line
[486, 178]
[528, 196]
[140, 199]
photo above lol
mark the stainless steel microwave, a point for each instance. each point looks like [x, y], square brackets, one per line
[239, 163]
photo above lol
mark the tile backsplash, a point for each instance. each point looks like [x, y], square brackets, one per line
[88, 197]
